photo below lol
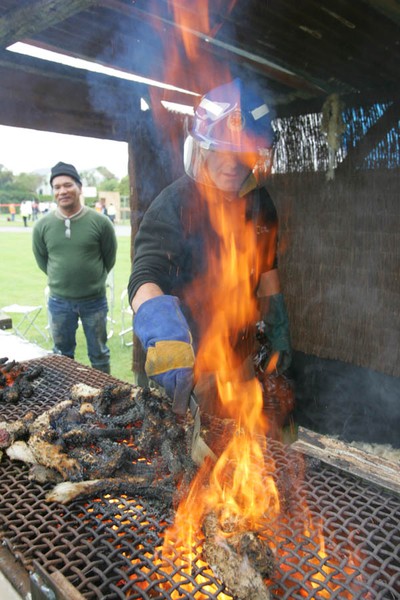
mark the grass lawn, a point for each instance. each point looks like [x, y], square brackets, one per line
[22, 282]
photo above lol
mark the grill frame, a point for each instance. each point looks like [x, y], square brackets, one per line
[82, 541]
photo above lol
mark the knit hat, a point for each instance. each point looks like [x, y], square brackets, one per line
[62, 168]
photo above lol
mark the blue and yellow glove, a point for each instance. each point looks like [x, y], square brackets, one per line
[277, 332]
[165, 335]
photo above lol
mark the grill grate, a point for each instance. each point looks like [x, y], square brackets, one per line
[108, 548]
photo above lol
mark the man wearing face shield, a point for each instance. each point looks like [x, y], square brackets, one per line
[227, 157]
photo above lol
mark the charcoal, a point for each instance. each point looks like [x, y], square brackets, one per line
[34, 373]
[168, 452]
[11, 394]
[100, 461]
[9, 366]
[123, 434]
[76, 436]
[15, 383]
[111, 396]
[130, 417]
[25, 388]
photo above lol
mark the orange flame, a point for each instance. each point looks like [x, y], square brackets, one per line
[237, 488]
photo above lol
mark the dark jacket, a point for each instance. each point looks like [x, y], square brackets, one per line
[176, 239]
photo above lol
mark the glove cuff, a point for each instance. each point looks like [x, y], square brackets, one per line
[277, 323]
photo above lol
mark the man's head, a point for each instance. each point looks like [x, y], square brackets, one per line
[230, 138]
[67, 187]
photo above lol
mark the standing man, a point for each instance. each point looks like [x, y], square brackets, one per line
[26, 211]
[227, 156]
[112, 212]
[76, 247]
[12, 211]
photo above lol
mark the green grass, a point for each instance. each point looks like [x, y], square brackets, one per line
[22, 282]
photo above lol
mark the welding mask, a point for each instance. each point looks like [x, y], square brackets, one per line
[231, 119]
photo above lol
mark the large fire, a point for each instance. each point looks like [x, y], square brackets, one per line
[235, 488]
[238, 489]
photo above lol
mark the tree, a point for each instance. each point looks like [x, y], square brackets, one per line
[109, 185]
[124, 186]
[28, 182]
[6, 177]
[15, 188]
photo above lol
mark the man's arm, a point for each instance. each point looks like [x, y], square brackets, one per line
[108, 245]
[145, 292]
[39, 249]
[159, 322]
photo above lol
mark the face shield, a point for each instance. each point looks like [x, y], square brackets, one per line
[230, 122]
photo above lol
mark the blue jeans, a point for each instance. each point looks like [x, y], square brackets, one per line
[63, 321]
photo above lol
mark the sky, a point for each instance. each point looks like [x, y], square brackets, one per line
[27, 150]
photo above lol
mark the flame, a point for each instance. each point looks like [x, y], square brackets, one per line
[228, 292]
[238, 488]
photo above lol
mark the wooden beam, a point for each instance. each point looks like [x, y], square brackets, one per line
[36, 16]
[45, 99]
[222, 52]
[389, 8]
[370, 467]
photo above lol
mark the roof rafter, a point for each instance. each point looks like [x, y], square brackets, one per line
[37, 16]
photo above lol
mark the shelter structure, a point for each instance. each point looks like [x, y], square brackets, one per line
[330, 69]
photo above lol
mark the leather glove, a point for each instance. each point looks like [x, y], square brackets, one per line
[164, 333]
[277, 331]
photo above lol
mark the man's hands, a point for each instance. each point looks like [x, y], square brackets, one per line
[277, 331]
[164, 333]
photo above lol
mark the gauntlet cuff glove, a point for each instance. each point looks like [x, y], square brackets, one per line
[164, 333]
[277, 331]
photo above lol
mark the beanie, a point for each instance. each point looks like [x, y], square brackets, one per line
[62, 168]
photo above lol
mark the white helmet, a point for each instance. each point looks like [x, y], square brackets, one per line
[230, 118]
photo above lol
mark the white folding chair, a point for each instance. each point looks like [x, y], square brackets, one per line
[27, 320]
[126, 317]
[111, 302]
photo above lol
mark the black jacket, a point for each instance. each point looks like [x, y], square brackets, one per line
[175, 240]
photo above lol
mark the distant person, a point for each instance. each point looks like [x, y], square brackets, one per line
[111, 211]
[35, 210]
[26, 211]
[76, 247]
[12, 211]
[43, 207]
[103, 207]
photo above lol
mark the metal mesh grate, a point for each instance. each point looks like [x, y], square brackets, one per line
[109, 547]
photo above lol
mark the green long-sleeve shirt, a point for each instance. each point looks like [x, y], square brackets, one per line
[77, 266]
